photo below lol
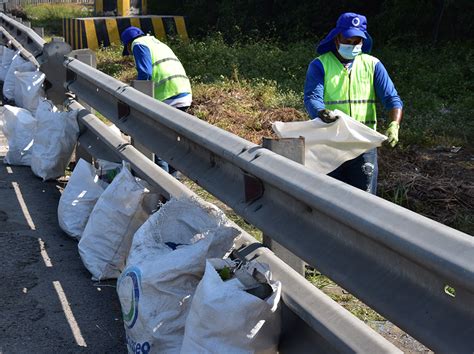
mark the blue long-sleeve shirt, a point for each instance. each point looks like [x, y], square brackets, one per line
[314, 88]
[143, 62]
[144, 66]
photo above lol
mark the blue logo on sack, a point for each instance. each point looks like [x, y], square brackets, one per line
[130, 317]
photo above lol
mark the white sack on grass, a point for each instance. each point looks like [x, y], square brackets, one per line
[18, 126]
[28, 89]
[119, 212]
[18, 64]
[7, 57]
[55, 138]
[165, 265]
[327, 146]
[78, 199]
[224, 318]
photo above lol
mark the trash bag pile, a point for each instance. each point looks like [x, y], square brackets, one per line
[181, 285]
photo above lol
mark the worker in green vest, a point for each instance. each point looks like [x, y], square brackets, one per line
[347, 78]
[155, 61]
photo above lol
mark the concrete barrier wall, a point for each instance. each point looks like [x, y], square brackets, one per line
[94, 32]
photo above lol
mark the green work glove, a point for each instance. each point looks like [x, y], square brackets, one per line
[392, 133]
[328, 116]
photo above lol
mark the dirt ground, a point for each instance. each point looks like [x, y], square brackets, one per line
[435, 182]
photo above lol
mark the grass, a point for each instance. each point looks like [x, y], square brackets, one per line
[50, 16]
[228, 92]
[438, 106]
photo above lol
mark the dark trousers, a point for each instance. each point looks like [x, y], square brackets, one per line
[360, 172]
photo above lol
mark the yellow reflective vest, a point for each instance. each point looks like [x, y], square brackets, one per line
[351, 92]
[168, 73]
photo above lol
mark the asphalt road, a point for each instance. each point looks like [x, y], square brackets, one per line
[48, 303]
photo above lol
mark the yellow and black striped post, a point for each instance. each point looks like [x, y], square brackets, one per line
[120, 7]
[94, 32]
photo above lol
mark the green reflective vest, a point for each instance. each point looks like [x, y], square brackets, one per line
[168, 73]
[351, 92]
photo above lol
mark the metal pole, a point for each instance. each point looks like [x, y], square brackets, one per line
[292, 149]
[147, 87]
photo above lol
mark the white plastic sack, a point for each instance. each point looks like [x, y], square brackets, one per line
[7, 57]
[78, 199]
[55, 138]
[327, 146]
[18, 64]
[119, 212]
[28, 89]
[225, 318]
[18, 126]
[165, 265]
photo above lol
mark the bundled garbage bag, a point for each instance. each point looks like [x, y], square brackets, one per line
[165, 265]
[18, 64]
[234, 310]
[18, 126]
[327, 146]
[7, 56]
[29, 89]
[55, 138]
[78, 198]
[121, 209]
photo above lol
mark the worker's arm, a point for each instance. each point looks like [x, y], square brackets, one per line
[143, 62]
[395, 115]
[314, 89]
[386, 92]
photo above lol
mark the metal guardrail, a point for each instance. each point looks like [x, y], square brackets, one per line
[28, 38]
[398, 262]
[312, 321]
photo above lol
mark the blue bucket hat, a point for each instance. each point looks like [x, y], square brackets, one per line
[348, 24]
[128, 35]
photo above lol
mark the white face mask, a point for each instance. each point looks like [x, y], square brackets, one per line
[349, 51]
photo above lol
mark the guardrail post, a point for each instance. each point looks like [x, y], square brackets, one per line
[292, 149]
[88, 57]
[147, 87]
[39, 31]
[27, 23]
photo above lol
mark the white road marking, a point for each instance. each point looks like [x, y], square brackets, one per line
[24, 208]
[76, 331]
[44, 254]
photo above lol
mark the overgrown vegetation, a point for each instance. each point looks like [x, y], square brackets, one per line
[243, 87]
[438, 106]
[50, 16]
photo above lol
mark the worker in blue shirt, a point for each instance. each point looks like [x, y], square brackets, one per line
[347, 78]
[156, 62]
